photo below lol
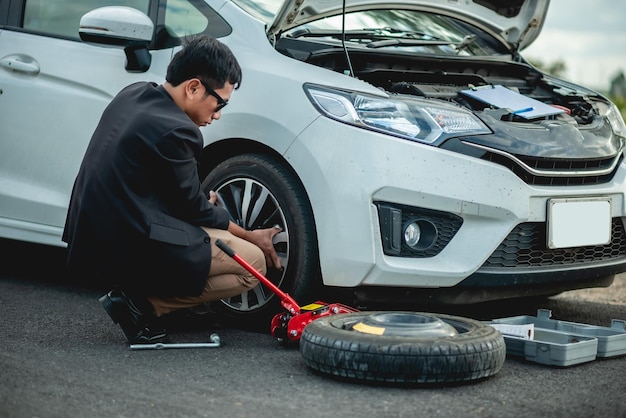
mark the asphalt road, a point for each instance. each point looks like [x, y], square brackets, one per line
[61, 356]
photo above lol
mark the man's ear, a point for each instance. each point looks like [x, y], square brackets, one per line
[192, 88]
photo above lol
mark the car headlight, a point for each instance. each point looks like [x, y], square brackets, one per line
[415, 119]
[616, 120]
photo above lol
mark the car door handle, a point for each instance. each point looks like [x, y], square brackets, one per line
[20, 64]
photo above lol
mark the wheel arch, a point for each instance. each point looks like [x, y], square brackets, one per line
[221, 150]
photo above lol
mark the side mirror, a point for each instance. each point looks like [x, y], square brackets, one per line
[123, 27]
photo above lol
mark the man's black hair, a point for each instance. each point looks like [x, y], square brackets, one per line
[205, 58]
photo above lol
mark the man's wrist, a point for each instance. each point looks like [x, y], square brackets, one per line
[238, 231]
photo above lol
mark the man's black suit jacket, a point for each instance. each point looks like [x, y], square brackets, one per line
[136, 207]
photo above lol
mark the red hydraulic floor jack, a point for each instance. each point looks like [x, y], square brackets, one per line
[288, 326]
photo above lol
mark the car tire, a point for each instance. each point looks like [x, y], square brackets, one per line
[258, 191]
[402, 347]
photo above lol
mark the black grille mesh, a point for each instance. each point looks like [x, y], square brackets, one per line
[547, 165]
[526, 246]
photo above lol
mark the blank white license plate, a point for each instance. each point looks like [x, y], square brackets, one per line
[579, 222]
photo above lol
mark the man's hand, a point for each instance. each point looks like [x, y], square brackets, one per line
[212, 197]
[262, 238]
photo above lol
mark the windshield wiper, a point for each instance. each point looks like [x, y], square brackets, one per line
[367, 33]
[459, 46]
[467, 41]
[334, 33]
[387, 36]
[405, 42]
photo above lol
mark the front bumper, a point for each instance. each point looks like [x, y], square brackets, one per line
[349, 171]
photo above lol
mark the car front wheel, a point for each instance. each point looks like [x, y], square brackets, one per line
[258, 191]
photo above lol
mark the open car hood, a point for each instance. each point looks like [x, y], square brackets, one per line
[516, 22]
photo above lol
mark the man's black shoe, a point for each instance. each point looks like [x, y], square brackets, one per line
[134, 321]
[148, 335]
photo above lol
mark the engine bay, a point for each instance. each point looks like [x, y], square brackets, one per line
[445, 77]
[574, 146]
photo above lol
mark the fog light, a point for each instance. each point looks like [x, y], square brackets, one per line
[420, 234]
[431, 232]
[412, 234]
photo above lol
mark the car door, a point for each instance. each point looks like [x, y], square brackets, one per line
[53, 90]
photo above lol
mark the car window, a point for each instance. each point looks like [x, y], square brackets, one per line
[178, 19]
[4, 11]
[62, 17]
[183, 19]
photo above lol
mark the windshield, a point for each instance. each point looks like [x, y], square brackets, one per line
[264, 10]
[408, 30]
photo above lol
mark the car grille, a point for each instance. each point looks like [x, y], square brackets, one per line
[526, 246]
[587, 171]
[553, 171]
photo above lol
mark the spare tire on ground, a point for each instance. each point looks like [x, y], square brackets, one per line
[402, 347]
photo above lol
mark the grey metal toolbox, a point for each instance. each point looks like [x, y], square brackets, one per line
[560, 343]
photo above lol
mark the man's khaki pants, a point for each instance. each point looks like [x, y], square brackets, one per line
[227, 277]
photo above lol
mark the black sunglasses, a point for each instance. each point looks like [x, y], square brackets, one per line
[221, 103]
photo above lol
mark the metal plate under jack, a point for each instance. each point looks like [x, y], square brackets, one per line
[214, 338]
[560, 343]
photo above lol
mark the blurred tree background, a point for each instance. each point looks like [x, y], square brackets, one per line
[616, 86]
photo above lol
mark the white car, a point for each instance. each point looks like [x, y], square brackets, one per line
[409, 154]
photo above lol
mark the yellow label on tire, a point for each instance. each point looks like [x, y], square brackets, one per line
[368, 329]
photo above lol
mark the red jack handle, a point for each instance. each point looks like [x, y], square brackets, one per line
[286, 301]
